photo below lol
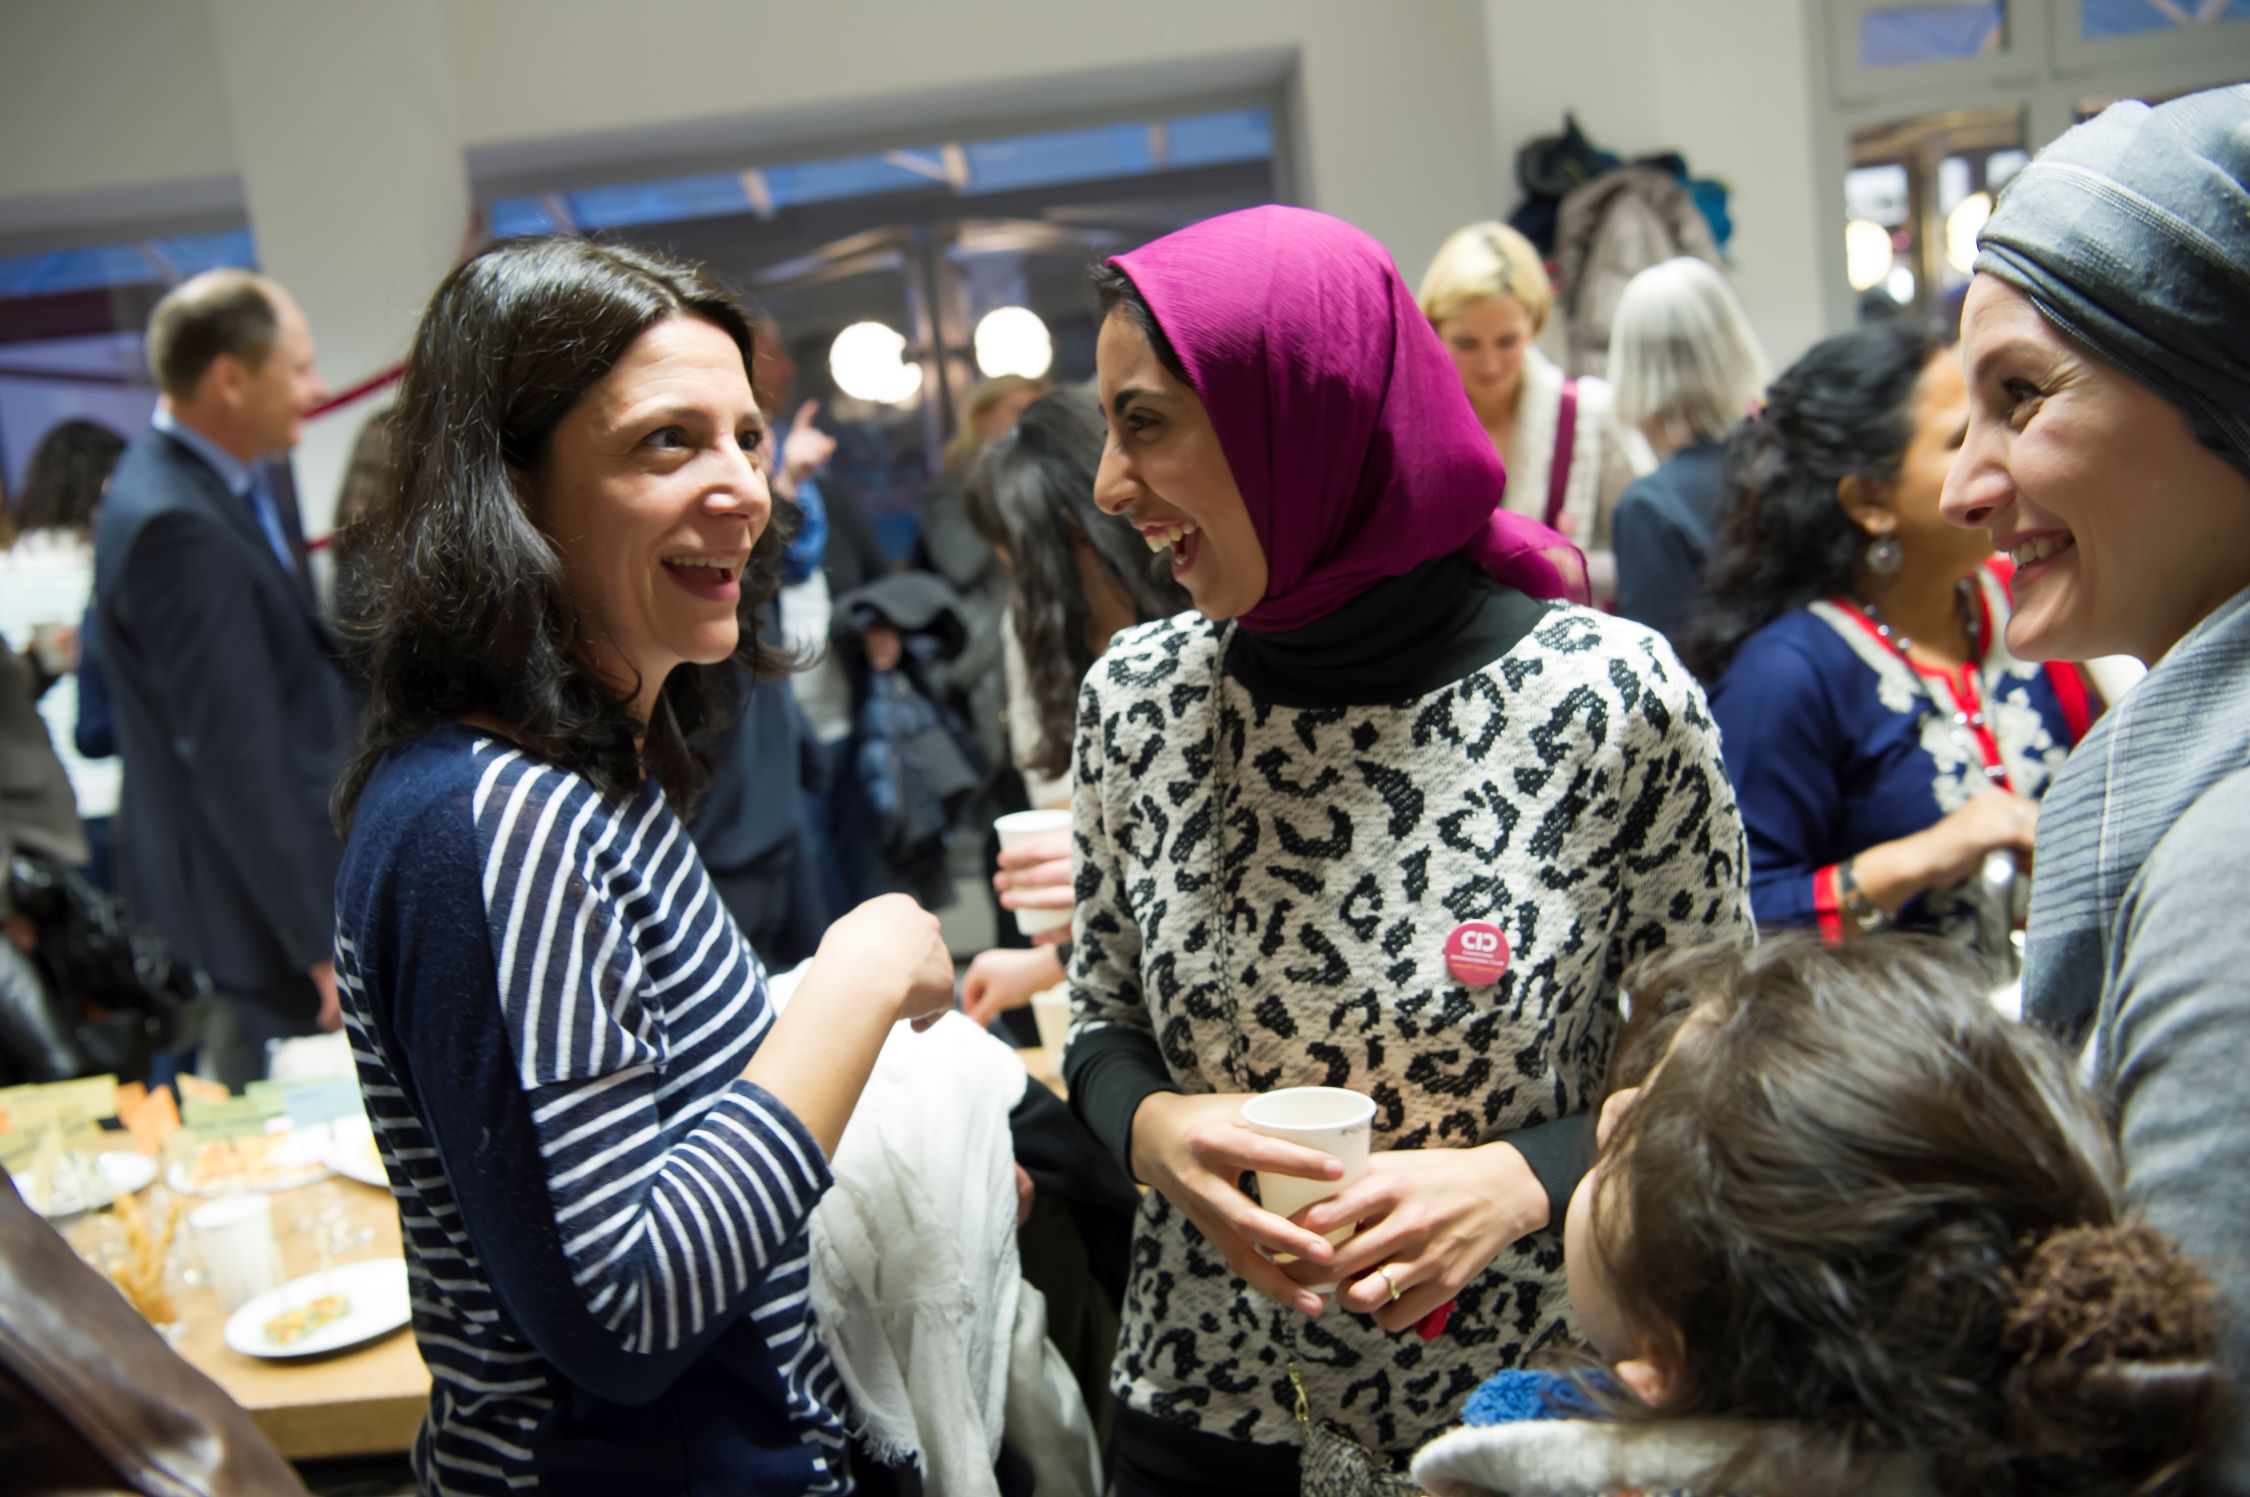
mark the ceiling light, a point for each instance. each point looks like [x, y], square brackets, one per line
[1962, 226]
[1867, 253]
[1012, 340]
[868, 362]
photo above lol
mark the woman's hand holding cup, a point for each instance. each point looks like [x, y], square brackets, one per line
[1428, 1221]
[1035, 877]
[1195, 1150]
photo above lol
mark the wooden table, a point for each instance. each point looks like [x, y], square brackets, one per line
[366, 1401]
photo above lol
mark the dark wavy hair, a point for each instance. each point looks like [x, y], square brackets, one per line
[1858, 1201]
[63, 481]
[463, 607]
[1032, 496]
[1842, 411]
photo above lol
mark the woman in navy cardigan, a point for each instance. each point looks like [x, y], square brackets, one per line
[605, 1141]
[1887, 750]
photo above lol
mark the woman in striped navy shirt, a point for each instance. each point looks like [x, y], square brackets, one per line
[604, 1140]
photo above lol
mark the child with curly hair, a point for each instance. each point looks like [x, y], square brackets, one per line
[1853, 1231]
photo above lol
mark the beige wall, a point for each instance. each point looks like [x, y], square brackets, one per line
[99, 95]
[1406, 113]
[1724, 82]
[1391, 108]
[346, 125]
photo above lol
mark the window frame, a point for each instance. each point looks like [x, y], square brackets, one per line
[1852, 83]
[2074, 56]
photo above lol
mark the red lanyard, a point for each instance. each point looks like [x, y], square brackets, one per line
[1965, 688]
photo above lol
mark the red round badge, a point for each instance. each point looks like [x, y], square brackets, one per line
[1476, 954]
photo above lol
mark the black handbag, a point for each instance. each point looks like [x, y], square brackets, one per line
[132, 995]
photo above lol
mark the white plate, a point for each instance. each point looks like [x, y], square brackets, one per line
[376, 1289]
[352, 1153]
[305, 1149]
[89, 1184]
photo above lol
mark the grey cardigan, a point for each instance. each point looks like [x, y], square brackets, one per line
[2144, 847]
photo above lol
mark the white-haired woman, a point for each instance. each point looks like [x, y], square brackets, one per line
[1687, 368]
[1568, 459]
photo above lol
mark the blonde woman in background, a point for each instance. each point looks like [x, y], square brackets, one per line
[1687, 369]
[1568, 459]
[990, 415]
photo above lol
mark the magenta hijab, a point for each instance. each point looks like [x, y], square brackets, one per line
[1339, 411]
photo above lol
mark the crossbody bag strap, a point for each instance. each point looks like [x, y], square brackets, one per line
[1320, 1443]
[1566, 446]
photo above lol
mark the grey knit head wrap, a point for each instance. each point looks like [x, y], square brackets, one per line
[2132, 234]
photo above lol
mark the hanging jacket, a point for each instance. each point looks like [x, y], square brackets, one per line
[1609, 231]
[917, 765]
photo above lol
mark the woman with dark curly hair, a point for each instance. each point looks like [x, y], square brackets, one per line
[66, 475]
[46, 583]
[1075, 578]
[1883, 743]
[1856, 1232]
[604, 1141]
[1075, 575]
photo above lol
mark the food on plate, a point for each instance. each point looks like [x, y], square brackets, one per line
[261, 1162]
[292, 1326]
[150, 1117]
[139, 1270]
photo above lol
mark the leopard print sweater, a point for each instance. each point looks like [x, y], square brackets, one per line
[1569, 792]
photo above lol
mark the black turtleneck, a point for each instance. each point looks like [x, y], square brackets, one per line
[1403, 638]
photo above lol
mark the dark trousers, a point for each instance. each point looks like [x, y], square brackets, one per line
[99, 869]
[1156, 1459]
[237, 1030]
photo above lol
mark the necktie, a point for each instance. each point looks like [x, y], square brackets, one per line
[269, 520]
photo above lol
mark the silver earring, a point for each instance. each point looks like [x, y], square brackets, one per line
[1885, 555]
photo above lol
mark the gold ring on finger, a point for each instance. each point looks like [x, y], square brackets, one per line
[1389, 1283]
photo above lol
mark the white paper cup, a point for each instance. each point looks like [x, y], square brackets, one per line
[1051, 1012]
[1332, 1119]
[234, 1237]
[1015, 828]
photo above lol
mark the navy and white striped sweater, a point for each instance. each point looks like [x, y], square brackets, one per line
[605, 1226]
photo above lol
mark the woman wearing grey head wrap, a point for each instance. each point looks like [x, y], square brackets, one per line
[2107, 344]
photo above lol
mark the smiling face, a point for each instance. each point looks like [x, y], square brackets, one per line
[2125, 529]
[255, 406]
[1488, 340]
[649, 491]
[1164, 471]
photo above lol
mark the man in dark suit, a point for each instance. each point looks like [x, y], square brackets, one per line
[233, 717]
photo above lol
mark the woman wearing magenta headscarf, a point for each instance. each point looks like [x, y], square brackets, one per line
[2108, 449]
[1381, 814]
